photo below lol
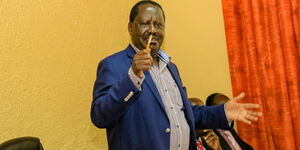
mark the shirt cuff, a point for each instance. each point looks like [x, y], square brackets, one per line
[229, 121]
[137, 81]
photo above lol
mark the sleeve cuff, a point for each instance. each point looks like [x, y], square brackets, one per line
[229, 121]
[135, 79]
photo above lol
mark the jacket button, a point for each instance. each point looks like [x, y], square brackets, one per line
[126, 99]
[168, 130]
[131, 93]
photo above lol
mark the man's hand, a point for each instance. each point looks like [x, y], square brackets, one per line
[141, 61]
[240, 111]
[211, 139]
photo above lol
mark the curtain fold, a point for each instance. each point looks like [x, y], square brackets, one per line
[263, 42]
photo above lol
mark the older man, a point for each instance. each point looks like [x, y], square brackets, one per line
[139, 97]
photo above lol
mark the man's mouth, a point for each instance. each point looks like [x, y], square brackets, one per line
[153, 40]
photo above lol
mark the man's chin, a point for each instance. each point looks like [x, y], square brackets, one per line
[155, 49]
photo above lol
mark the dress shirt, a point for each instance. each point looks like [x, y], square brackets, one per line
[171, 97]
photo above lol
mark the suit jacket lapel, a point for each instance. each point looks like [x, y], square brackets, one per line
[175, 76]
[188, 111]
[154, 90]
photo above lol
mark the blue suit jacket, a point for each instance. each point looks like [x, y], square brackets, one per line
[141, 122]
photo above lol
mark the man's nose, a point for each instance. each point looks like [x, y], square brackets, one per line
[152, 29]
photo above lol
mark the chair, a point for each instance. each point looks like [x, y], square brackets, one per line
[22, 143]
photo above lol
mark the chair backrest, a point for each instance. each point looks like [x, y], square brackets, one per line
[22, 143]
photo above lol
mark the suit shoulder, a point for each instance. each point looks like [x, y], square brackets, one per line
[174, 66]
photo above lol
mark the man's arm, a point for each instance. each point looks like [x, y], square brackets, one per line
[219, 116]
[232, 110]
[112, 95]
[210, 117]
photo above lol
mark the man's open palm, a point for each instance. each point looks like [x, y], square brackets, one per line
[241, 111]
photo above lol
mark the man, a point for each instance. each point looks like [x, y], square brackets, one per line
[229, 139]
[206, 137]
[139, 97]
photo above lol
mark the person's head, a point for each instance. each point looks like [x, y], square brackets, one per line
[216, 99]
[196, 101]
[146, 18]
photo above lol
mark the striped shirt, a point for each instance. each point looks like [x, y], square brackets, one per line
[171, 97]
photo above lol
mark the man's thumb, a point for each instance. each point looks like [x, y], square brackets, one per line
[240, 96]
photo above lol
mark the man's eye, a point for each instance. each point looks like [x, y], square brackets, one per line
[143, 24]
[159, 25]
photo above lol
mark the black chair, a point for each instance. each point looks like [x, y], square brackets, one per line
[22, 143]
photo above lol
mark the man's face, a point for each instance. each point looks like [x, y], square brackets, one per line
[149, 21]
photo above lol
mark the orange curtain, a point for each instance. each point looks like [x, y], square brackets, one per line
[263, 41]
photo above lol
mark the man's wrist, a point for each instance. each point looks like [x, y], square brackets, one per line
[137, 81]
[226, 114]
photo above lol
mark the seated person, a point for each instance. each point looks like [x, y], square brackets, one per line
[207, 137]
[229, 139]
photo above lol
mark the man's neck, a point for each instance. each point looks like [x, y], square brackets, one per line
[155, 57]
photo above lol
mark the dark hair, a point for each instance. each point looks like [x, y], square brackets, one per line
[214, 99]
[135, 9]
[210, 99]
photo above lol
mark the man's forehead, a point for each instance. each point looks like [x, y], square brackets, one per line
[150, 13]
[149, 8]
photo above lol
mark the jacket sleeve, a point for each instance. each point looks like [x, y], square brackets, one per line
[112, 96]
[210, 117]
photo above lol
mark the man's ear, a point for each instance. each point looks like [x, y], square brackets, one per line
[130, 30]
